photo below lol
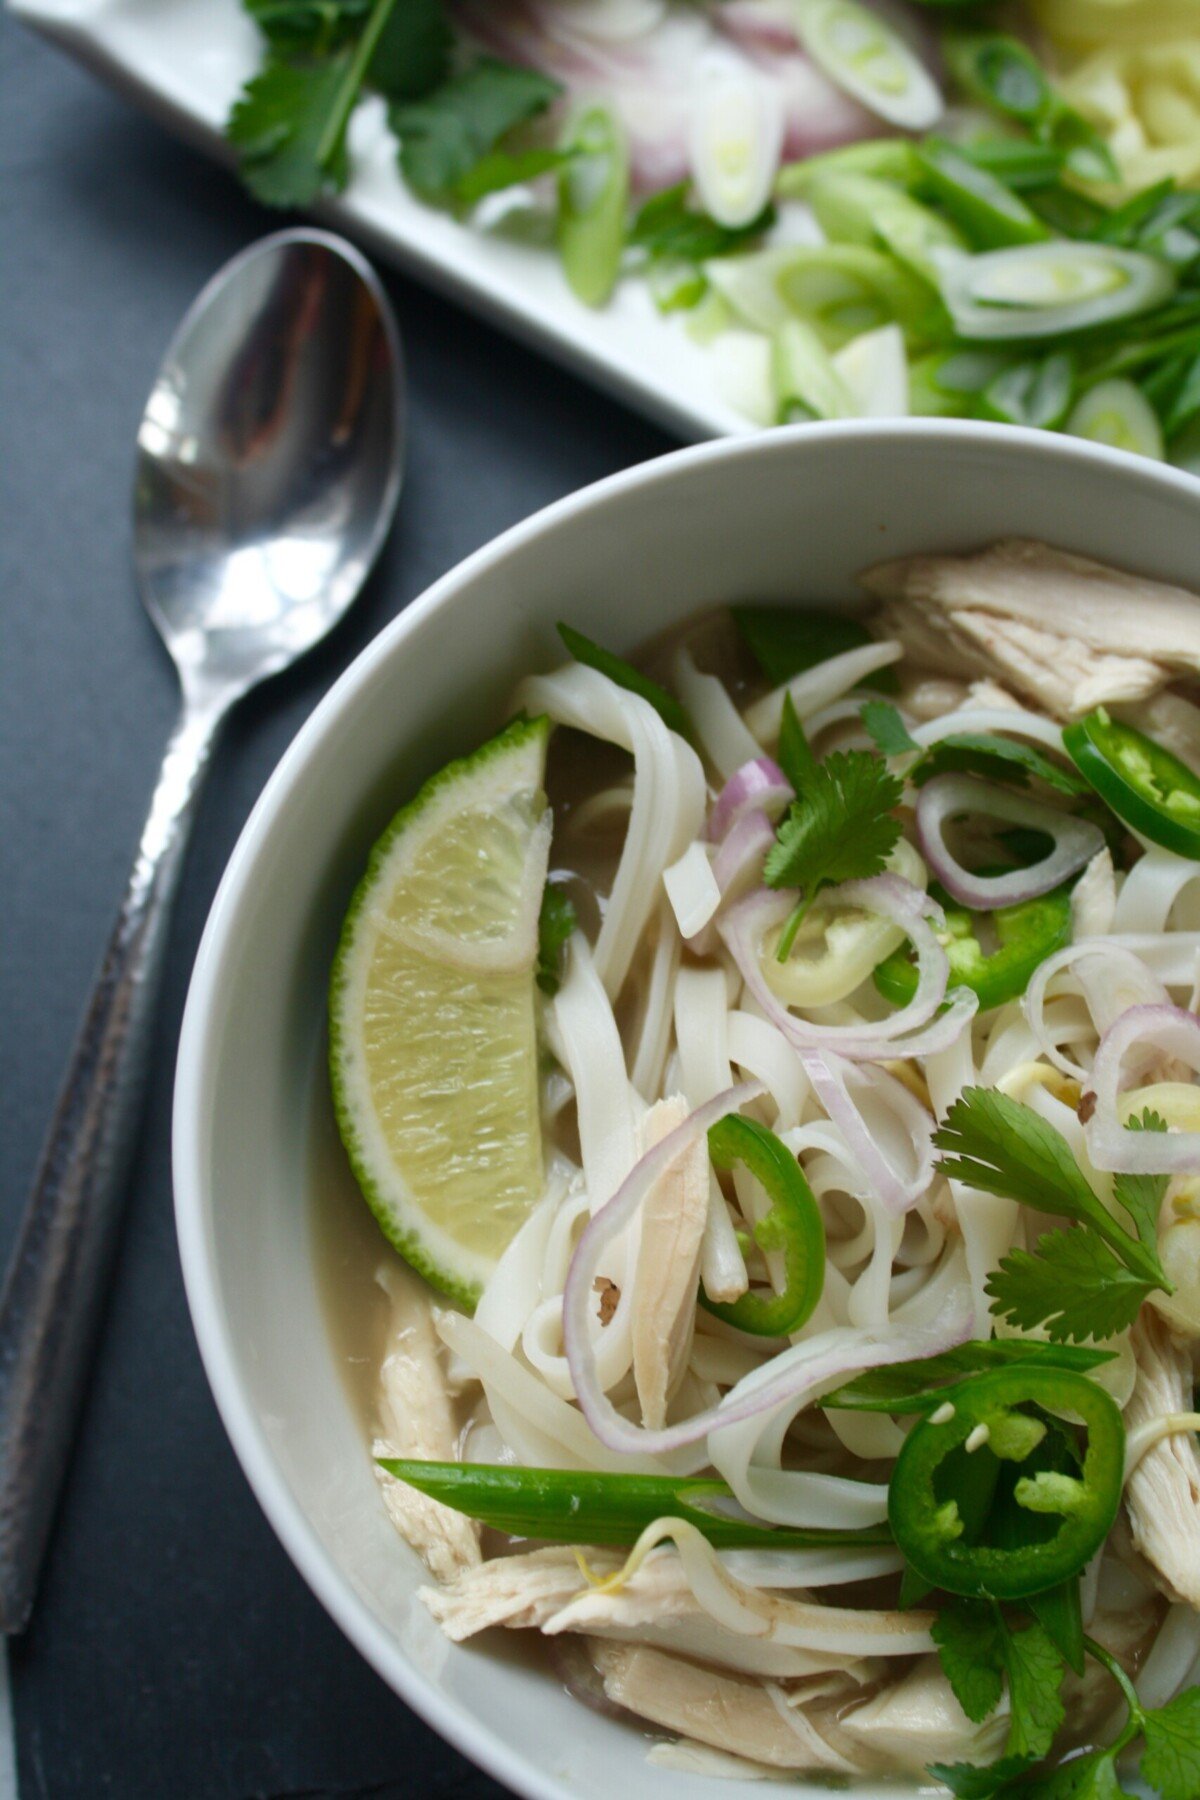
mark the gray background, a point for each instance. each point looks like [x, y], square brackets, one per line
[175, 1650]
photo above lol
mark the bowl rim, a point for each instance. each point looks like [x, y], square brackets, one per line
[313, 1561]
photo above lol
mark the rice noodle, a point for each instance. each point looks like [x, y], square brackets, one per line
[668, 798]
[654, 1035]
[700, 1032]
[819, 686]
[724, 738]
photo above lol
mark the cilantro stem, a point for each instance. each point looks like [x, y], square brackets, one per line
[1136, 1716]
[352, 81]
[796, 918]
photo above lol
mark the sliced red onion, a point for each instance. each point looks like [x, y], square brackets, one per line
[946, 797]
[1157, 1030]
[892, 898]
[831, 1077]
[758, 786]
[1107, 969]
[806, 1368]
[738, 862]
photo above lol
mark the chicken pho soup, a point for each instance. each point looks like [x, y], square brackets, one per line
[772, 1070]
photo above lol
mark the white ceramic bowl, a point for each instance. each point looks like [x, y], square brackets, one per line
[791, 515]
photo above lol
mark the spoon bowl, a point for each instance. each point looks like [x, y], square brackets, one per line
[269, 458]
[268, 468]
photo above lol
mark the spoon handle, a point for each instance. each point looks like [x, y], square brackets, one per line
[55, 1284]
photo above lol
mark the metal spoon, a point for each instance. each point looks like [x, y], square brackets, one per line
[268, 468]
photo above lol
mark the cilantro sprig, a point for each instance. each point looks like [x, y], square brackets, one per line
[840, 827]
[1078, 1284]
[290, 123]
[978, 1652]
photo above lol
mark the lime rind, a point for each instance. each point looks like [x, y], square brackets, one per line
[442, 994]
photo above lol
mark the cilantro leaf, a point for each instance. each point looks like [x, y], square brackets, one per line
[967, 1782]
[289, 127]
[970, 1636]
[413, 52]
[672, 713]
[882, 721]
[1171, 1762]
[1004, 1147]
[998, 758]
[841, 828]
[556, 921]
[1035, 1672]
[1060, 1611]
[786, 640]
[1142, 1195]
[448, 131]
[667, 228]
[795, 756]
[310, 27]
[290, 121]
[1072, 1283]
[1090, 1777]
[921, 1386]
[505, 168]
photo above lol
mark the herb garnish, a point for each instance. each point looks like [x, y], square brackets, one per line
[290, 122]
[885, 724]
[671, 711]
[839, 828]
[1078, 1284]
[974, 1653]
[556, 921]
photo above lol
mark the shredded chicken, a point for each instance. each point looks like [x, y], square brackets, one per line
[1094, 898]
[991, 695]
[416, 1419]
[1163, 1492]
[545, 1590]
[744, 1718]
[917, 1720]
[1054, 627]
[932, 698]
[664, 1301]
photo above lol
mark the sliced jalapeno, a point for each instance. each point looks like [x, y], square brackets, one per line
[1025, 936]
[1000, 1499]
[1146, 786]
[792, 1226]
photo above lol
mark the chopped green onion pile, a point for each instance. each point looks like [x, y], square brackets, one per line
[986, 241]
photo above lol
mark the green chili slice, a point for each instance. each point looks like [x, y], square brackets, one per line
[1025, 1506]
[1145, 785]
[585, 1506]
[792, 1226]
[1026, 935]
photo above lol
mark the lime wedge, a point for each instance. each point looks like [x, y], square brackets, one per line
[433, 1054]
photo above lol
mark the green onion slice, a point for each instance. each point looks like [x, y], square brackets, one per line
[592, 191]
[1115, 412]
[867, 59]
[1043, 290]
[573, 1506]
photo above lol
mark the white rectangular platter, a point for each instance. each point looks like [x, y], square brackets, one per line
[185, 60]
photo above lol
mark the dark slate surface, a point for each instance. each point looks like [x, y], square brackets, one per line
[175, 1650]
